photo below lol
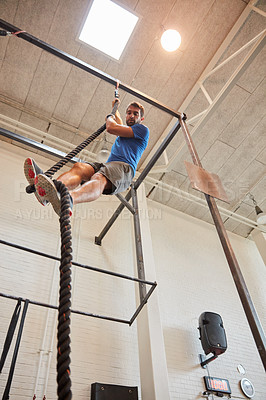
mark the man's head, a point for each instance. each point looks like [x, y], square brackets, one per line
[134, 113]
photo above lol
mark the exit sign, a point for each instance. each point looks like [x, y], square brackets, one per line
[217, 385]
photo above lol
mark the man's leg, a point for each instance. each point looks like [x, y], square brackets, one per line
[78, 173]
[88, 192]
[91, 190]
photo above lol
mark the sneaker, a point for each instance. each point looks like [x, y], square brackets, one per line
[47, 191]
[31, 170]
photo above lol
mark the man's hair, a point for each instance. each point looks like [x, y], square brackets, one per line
[137, 105]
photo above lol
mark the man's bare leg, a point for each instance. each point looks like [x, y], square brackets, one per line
[78, 173]
[91, 190]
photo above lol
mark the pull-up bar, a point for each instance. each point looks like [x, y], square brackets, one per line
[85, 67]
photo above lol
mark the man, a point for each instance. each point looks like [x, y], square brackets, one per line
[87, 181]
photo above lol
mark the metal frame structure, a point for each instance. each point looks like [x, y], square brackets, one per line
[88, 267]
[248, 306]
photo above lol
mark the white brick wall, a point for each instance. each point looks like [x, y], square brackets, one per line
[192, 276]
[101, 349]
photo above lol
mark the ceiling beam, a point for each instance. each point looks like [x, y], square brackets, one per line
[222, 94]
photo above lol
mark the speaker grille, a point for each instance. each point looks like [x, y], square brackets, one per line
[212, 333]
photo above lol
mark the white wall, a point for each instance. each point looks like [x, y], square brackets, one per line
[192, 276]
[100, 349]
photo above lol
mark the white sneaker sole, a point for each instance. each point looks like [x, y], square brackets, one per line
[47, 191]
[30, 175]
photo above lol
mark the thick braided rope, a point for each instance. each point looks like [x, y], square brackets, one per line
[51, 171]
[78, 149]
[74, 152]
[63, 331]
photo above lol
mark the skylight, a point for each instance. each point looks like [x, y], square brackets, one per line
[108, 27]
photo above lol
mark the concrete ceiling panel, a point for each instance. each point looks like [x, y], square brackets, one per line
[258, 191]
[156, 70]
[196, 210]
[177, 202]
[18, 67]
[238, 188]
[53, 95]
[254, 25]
[215, 82]
[255, 73]
[243, 230]
[261, 157]
[9, 111]
[216, 156]
[198, 104]
[47, 84]
[242, 159]
[186, 17]
[30, 16]
[217, 23]
[219, 121]
[174, 179]
[76, 96]
[61, 133]
[246, 118]
[99, 106]
[8, 9]
[34, 121]
[66, 24]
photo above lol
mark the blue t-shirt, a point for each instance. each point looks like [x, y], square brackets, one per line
[129, 150]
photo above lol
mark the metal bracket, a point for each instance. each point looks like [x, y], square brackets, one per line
[204, 361]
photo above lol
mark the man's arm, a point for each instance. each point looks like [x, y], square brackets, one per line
[118, 130]
[118, 118]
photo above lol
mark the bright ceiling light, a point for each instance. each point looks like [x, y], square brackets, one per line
[171, 40]
[108, 27]
[261, 216]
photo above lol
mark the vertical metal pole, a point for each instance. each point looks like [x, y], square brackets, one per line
[15, 354]
[144, 173]
[242, 289]
[139, 252]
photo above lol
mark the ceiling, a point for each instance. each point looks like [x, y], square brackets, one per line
[50, 100]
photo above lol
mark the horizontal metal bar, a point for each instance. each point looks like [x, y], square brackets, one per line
[37, 303]
[36, 145]
[103, 271]
[86, 67]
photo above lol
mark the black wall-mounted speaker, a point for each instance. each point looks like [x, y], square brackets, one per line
[212, 333]
[103, 391]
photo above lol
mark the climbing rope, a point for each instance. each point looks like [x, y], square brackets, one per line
[63, 331]
[50, 172]
[63, 328]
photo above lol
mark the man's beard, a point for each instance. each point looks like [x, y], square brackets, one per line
[130, 122]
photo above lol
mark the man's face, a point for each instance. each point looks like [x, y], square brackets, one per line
[133, 116]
